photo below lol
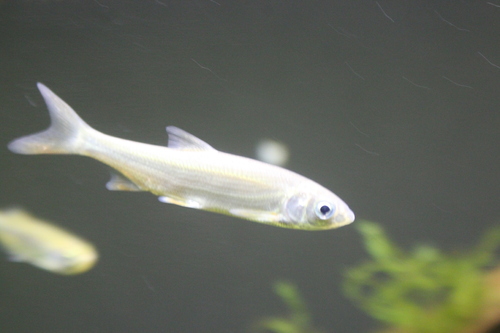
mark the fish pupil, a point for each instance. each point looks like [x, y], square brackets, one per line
[324, 209]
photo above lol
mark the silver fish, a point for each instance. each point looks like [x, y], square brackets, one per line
[26, 238]
[190, 173]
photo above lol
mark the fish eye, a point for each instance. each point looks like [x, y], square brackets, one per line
[324, 210]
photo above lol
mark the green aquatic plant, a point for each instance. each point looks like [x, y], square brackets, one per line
[298, 319]
[423, 290]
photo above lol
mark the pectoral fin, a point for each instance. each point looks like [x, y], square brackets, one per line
[15, 258]
[256, 215]
[181, 202]
[120, 183]
[12, 256]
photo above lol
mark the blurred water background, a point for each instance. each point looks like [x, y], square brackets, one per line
[393, 105]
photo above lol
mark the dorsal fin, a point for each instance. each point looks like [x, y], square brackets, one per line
[180, 139]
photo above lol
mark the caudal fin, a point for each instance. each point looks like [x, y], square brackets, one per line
[65, 135]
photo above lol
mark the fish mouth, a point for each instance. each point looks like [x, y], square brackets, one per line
[350, 216]
[345, 218]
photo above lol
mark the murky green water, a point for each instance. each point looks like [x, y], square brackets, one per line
[393, 106]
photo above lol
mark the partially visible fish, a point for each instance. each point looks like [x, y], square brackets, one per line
[26, 238]
[190, 173]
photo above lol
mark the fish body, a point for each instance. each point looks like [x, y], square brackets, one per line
[26, 238]
[190, 173]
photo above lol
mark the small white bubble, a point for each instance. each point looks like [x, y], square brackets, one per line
[272, 152]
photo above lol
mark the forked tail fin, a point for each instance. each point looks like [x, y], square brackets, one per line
[65, 135]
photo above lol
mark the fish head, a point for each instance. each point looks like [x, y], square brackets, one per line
[76, 259]
[317, 210]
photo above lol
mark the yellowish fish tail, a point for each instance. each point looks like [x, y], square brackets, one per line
[65, 134]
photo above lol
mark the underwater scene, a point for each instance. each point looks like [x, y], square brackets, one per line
[241, 166]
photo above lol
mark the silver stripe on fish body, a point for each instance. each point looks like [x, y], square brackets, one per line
[190, 173]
